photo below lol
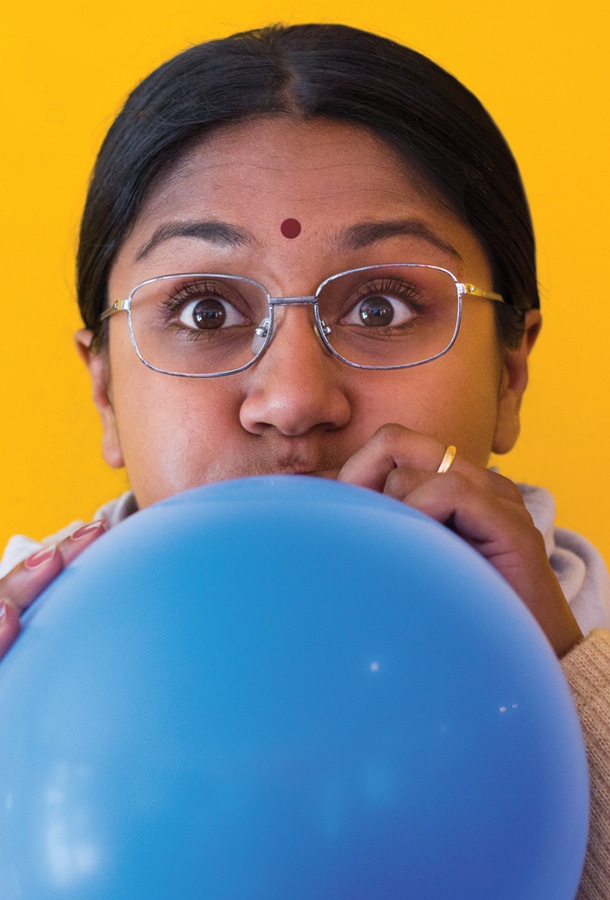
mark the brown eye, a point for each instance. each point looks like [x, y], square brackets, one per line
[376, 311]
[208, 314]
[382, 310]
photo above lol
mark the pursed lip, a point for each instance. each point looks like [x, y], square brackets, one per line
[278, 465]
[298, 460]
[295, 469]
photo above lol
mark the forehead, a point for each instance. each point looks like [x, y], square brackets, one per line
[310, 162]
[328, 176]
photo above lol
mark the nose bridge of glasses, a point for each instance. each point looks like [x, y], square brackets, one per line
[275, 322]
[302, 300]
[293, 301]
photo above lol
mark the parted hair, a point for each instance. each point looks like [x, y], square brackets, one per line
[435, 124]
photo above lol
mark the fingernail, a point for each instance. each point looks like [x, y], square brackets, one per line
[41, 556]
[90, 528]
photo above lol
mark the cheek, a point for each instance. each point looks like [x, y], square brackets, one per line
[170, 429]
[454, 398]
[469, 396]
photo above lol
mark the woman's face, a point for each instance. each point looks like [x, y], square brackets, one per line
[298, 409]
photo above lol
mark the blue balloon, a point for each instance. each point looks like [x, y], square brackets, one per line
[285, 688]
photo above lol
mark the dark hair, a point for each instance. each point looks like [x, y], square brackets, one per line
[305, 71]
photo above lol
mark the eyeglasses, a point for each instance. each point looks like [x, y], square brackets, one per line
[203, 325]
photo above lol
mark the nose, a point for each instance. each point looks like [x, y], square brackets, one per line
[297, 385]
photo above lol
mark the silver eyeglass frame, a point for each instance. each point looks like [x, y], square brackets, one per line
[265, 329]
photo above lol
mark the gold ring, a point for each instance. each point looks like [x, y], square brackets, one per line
[447, 460]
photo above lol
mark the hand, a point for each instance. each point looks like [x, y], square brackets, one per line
[20, 587]
[482, 507]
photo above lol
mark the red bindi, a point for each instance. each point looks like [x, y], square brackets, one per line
[290, 228]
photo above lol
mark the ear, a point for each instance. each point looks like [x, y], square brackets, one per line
[97, 366]
[512, 387]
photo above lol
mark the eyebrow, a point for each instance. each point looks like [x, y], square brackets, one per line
[352, 237]
[220, 233]
[356, 237]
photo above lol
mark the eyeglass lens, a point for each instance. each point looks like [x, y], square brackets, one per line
[381, 316]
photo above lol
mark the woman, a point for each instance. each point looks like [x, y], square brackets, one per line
[264, 166]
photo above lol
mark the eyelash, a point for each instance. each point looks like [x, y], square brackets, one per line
[191, 291]
[393, 286]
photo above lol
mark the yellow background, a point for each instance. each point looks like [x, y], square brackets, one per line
[540, 68]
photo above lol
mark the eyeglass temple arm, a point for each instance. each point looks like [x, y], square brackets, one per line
[117, 306]
[474, 291]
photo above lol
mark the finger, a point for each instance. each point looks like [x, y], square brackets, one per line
[27, 580]
[396, 460]
[80, 539]
[9, 625]
[490, 520]
[391, 447]
[401, 483]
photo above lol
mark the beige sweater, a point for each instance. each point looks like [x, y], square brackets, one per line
[587, 668]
